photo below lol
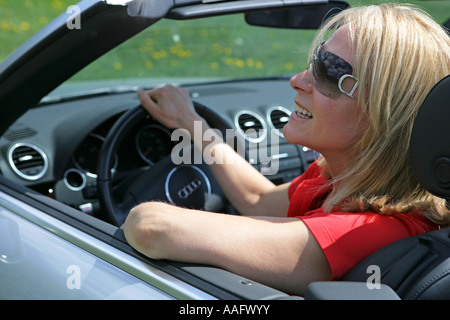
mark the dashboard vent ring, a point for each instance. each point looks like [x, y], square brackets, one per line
[28, 161]
[250, 125]
[277, 118]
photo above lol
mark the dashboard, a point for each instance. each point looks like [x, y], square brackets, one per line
[54, 148]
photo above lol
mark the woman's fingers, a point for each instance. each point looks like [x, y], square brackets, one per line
[169, 105]
[146, 101]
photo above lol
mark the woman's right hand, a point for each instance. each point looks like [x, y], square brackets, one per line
[171, 106]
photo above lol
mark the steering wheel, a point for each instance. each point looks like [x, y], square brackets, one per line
[189, 185]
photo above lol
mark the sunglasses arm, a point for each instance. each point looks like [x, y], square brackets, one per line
[355, 86]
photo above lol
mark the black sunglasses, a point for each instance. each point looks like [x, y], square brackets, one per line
[329, 72]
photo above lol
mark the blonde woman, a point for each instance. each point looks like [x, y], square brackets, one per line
[370, 70]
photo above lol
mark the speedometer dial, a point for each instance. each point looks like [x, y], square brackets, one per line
[86, 155]
[153, 143]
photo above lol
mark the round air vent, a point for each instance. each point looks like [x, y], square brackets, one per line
[277, 118]
[250, 125]
[28, 161]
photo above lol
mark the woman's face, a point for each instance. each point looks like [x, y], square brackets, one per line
[329, 126]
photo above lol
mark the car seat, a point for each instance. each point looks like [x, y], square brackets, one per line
[414, 268]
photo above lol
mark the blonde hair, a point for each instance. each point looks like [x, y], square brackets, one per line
[400, 53]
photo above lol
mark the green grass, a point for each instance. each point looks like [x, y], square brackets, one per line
[219, 47]
[20, 19]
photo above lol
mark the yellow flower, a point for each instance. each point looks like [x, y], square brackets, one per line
[240, 63]
[117, 65]
[184, 53]
[148, 64]
[25, 26]
[229, 61]
[4, 25]
[160, 54]
[56, 4]
[214, 66]
[289, 66]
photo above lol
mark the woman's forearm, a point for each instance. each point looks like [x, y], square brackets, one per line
[279, 252]
[245, 187]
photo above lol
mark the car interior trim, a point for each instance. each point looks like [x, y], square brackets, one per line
[27, 158]
[270, 120]
[249, 126]
[74, 179]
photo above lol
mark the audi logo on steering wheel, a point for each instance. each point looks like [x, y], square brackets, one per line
[189, 189]
[187, 186]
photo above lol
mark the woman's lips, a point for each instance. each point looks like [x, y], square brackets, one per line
[301, 113]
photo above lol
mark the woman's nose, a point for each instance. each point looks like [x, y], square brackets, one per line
[302, 82]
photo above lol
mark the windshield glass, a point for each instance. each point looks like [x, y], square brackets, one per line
[207, 48]
[218, 47]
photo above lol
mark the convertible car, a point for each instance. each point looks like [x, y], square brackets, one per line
[77, 151]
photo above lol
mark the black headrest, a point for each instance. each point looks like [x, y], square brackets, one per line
[430, 141]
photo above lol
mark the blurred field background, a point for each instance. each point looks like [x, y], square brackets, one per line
[223, 47]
